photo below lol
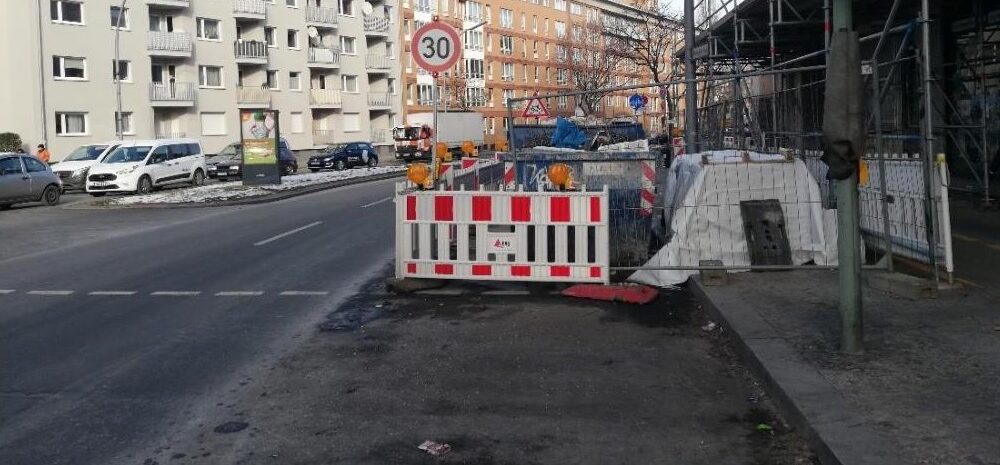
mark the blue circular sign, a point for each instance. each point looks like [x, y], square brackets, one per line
[636, 101]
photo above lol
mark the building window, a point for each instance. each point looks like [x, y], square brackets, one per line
[298, 127]
[390, 85]
[269, 36]
[507, 73]
[507, 95]
[347, 45]
[474, 40]
[294, 80]
[118, 15]
[562, 101]
[349, 83]
[475, 96]
[534, 24]
[506, 45]
[292, 3]
[65, 11]
[524, 74]
[347, 7]
[213, 124]
[272, 80]
[69, 68]
[561, 76]
[209, 29]
[389, 52]
[559, 5]
[425, 94]
[127, 127]
[506, 18]
[423, 5]
[121, 70]
[473, 11]
[71, 124]
[575, 8]
[293, 39]
[210, 76]
[560, 29]
[473, 68]
[351, 122]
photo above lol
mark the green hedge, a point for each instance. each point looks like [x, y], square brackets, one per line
[10, 142]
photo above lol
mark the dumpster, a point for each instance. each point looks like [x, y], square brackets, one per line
[630, 177]
[525, 136]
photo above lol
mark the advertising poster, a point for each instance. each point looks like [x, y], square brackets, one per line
[259, 133]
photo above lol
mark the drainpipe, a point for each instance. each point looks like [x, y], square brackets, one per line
[41, 76]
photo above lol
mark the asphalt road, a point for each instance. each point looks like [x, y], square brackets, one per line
[118, 325]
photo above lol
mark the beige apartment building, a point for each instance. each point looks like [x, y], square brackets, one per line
[331, 67]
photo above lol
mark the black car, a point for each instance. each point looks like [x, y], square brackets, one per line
[342, 156]
[228, 163]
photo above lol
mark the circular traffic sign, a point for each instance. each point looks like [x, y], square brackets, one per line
[436, 47]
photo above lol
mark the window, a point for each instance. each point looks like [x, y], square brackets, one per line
[294, 80]
[506, 45]
[507, 95]
[425, 94]
[560, 29]
[210, 76]
[474, 40]
[126, 122]
[524, 23]
[351, 122]
[11, 165]
[292, 3]
[293, 39]
[389, 50]
[575, 8]
[524, 73]
[347, 45]
[118, 15]
[507, 73]
[69, 68]
[272, 79]
[388, 14]
[298, 127]
[536, 74]
[534, 24]
[592, 15]
[559, 5]
[209, 29]
[506, 18]
[473, 11]
[349, 83]
[390, 86]
[71, 124]
[577, 32]
[121, 70]
[475, 96]
[561, 76]
[33, 165]
[473, 68]
[346, 7]
[269, 37]
[213, 124]
[66, 11]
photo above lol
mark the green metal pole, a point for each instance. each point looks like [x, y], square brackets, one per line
[848, 233]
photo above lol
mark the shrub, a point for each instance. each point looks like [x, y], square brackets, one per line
[10, 142]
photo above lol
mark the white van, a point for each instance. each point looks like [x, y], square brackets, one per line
[140, 166]
[72, 170]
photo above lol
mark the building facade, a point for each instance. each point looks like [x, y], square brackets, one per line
[188, 67]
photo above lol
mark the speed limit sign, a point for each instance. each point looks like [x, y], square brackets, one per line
[436, 46]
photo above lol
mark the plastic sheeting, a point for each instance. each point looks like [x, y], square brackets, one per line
[702, 208]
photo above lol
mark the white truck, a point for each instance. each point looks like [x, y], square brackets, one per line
[457, 129]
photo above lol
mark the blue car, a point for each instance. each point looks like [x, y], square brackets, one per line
[342, 156]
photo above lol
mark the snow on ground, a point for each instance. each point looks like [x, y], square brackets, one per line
[235, 190]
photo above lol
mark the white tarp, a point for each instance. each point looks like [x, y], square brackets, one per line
[702, 208]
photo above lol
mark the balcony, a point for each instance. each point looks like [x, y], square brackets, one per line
[251, 10]
[323, 137]
[321, 16]
[376, 26]
[250, 52]
[253, 97]
[377, 63]
[325, 98]
[324, 57]
[171, 95]
[169, 3]
[379, 101]
[169, 44]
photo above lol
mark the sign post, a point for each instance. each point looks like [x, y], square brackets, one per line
[259, 136]
[435, 47]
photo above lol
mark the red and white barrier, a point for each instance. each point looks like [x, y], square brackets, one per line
[502, 235]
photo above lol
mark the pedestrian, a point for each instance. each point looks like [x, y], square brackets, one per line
[43, 153]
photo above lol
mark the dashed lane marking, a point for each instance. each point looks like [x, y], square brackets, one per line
[111, 293]
[238, 293]
[303, 293]
[287, 233]
[6, 291]
[376, 202]
[175, 293]
[50, 292]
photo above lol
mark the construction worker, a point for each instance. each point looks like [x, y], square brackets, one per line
[43, 153]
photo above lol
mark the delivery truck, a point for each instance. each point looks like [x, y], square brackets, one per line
[460, 131]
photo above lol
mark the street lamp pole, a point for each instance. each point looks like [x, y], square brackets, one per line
[119, 132]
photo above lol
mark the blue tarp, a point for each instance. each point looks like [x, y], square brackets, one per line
[567, 135]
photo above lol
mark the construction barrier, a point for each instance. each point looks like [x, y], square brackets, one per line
[502, 235]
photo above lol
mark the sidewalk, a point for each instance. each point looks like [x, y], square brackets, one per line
[927, 389]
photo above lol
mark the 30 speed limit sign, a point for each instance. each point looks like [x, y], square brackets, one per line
[436, 47]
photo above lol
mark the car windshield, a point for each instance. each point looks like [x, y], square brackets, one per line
[128, 154]
[335, 148]
[229, 151]
[86, 152]
[406, 133]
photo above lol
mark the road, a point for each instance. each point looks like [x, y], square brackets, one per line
[118, 325]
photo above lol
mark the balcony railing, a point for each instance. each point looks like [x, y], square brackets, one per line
[250, 7]
[323, 137]
[250, 49]
[378, 99]
[325, 97]
[170, 3]
[171, 92]
[377, 62]
[323, 15]
[179, 42]
[253, 95]
[376, 24]
[330, 56]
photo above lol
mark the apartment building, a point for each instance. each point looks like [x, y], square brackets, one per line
[188, 67]
[520, 51]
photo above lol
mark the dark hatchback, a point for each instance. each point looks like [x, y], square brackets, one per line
[228, 163]
[342, 156]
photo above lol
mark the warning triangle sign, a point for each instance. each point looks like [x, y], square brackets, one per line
[535, 109]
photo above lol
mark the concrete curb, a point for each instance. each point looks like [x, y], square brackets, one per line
[839, 434]
[247, 201]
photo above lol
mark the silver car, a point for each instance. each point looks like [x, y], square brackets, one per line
[24, 178]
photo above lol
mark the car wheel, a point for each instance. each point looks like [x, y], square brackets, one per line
[372, 162]
[289, 170]
[198, 179]
[145, 186]
[50, 196]
[98, 194]
[314, 170]
[340, 165]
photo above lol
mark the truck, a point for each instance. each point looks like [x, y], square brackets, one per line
[458, 129]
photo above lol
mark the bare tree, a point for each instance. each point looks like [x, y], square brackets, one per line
[590, 61]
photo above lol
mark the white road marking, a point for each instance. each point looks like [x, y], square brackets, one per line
[287, 233]
[175, 293]
[112, 293]
[238, 293]
[6, 291]
[304, 293]
[50, 292]
[376, 202]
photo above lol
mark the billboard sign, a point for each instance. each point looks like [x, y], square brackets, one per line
[259, 141]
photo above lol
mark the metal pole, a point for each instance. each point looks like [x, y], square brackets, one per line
[41, 78]
[848, 234]
[737, 84]
[435, 163]
[691, 87]
[982, 104]
[879, 146]
[930, 208]
[119, 132]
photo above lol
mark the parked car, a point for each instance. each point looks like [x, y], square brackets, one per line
[143, 165]
[343, 156]
[228, 163]
[24, 178]
[72, 170]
